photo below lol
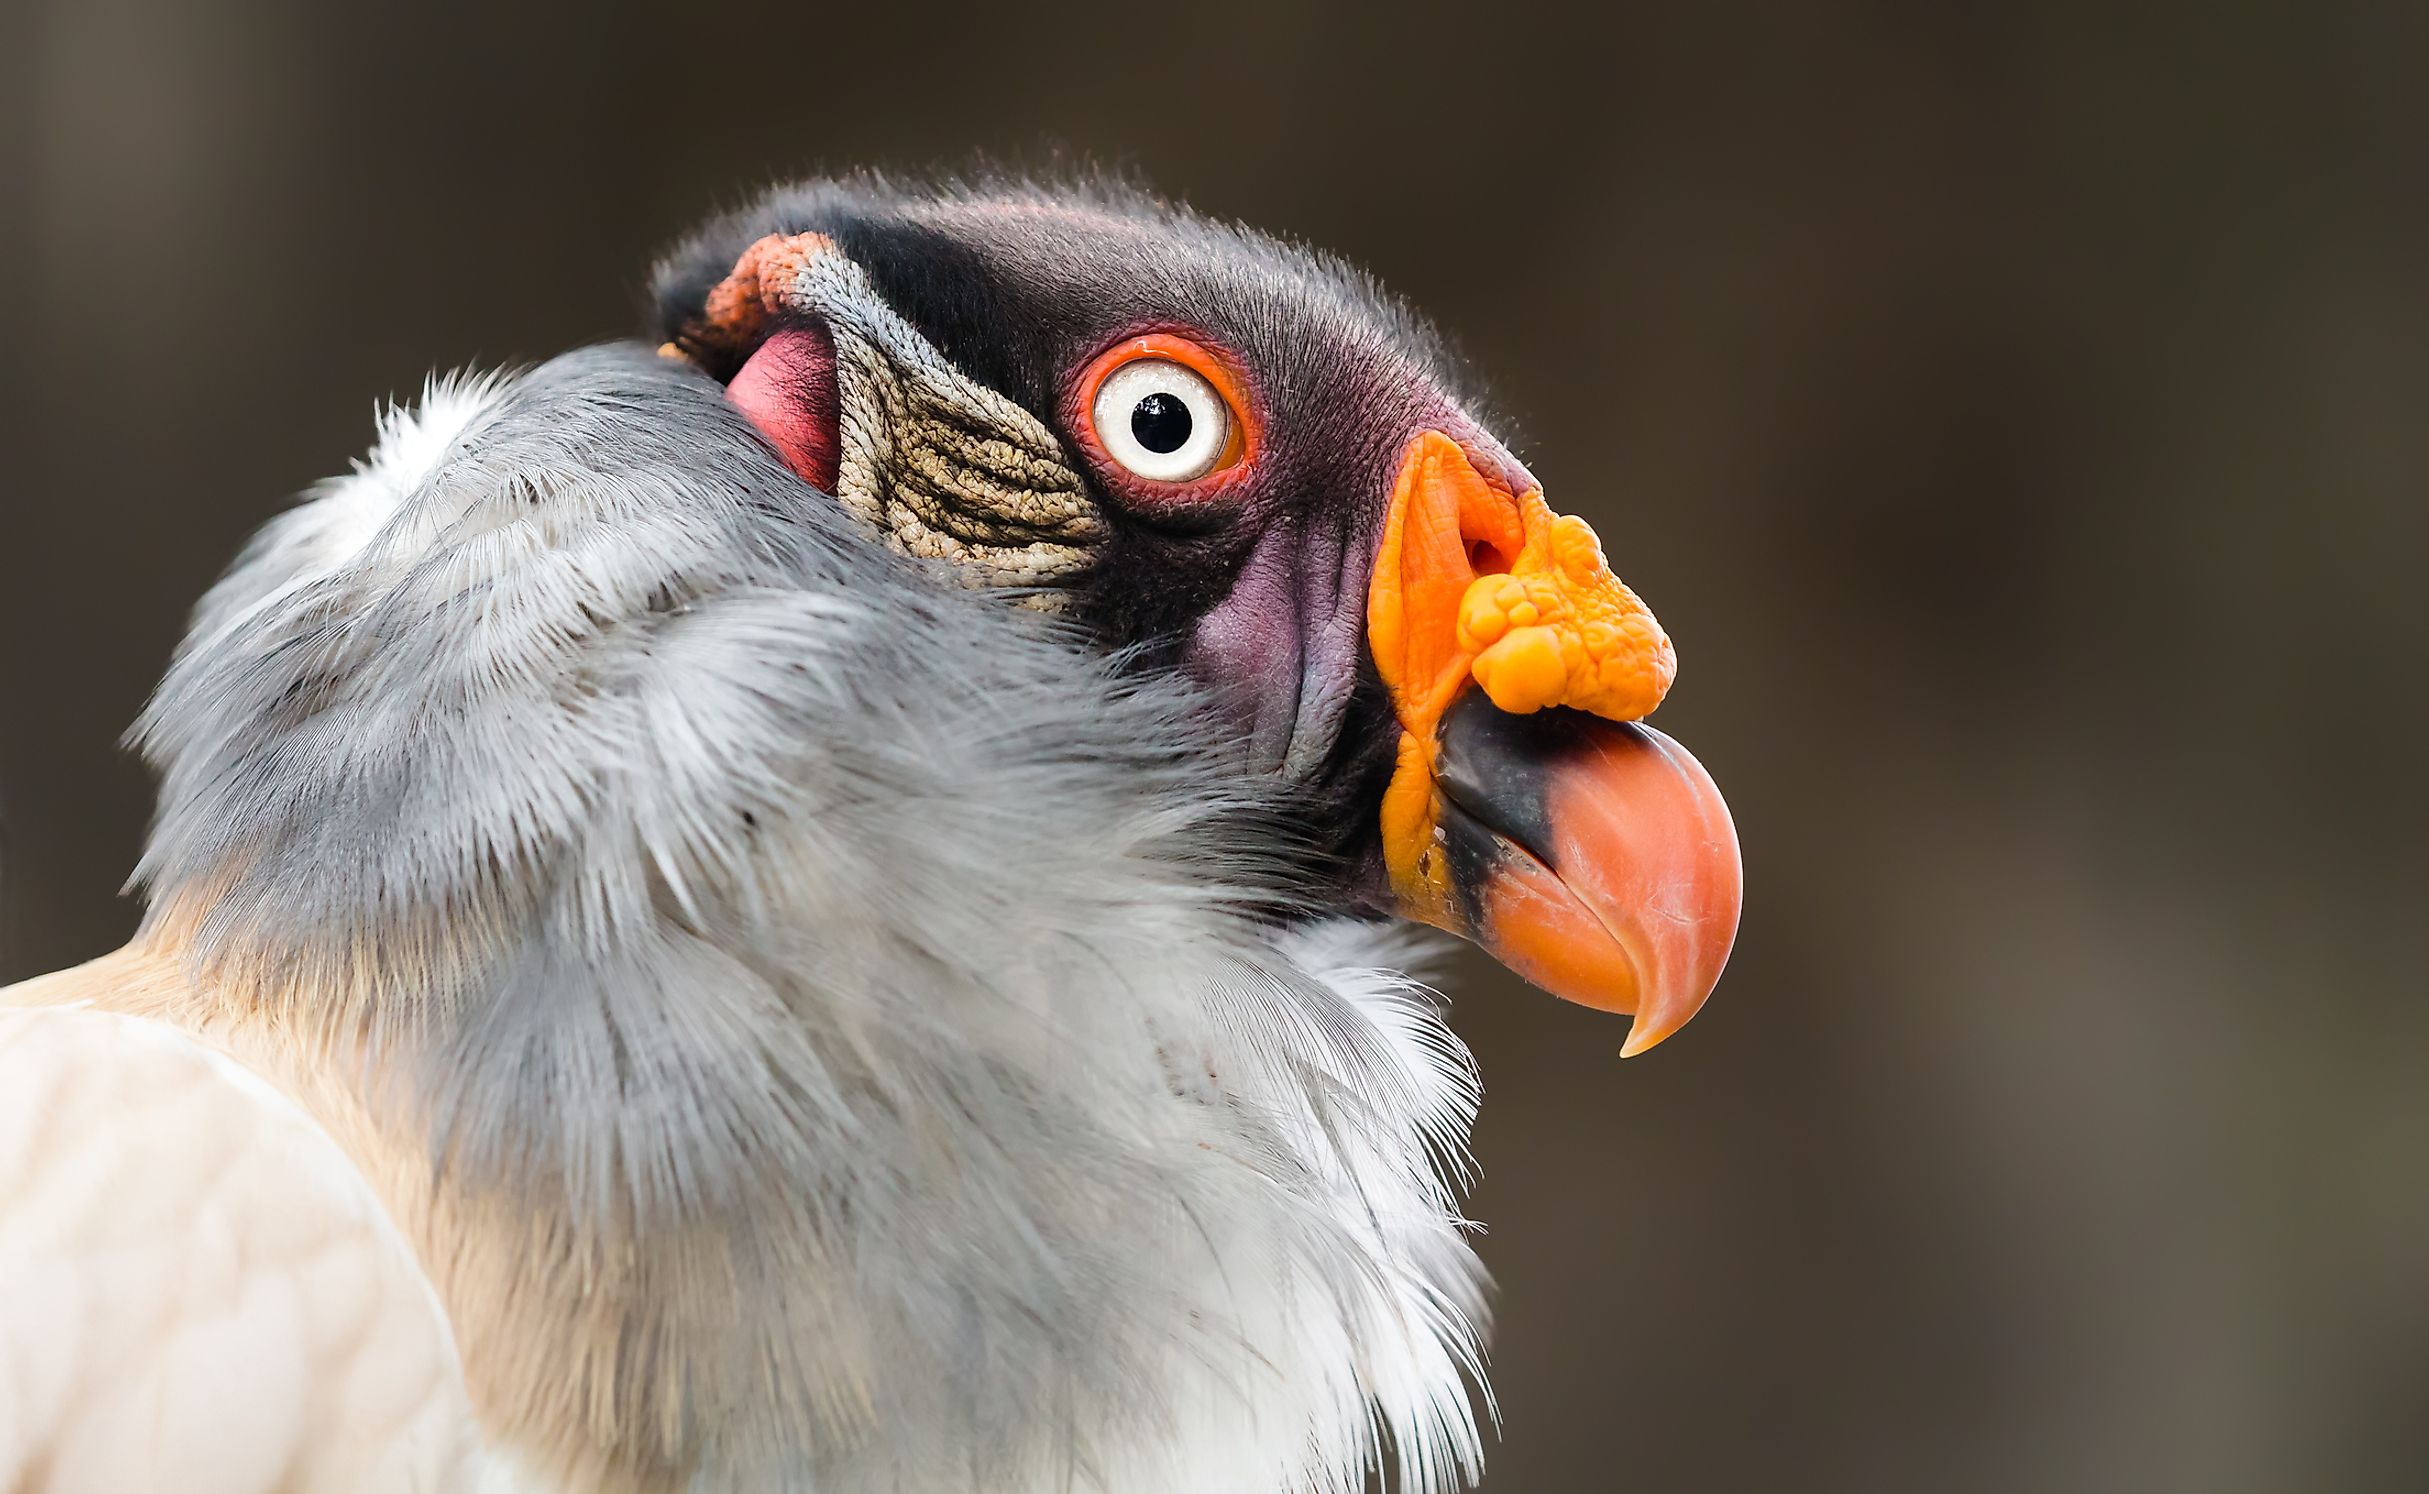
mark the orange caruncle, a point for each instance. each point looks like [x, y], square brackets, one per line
[1555, 628]
[1560, 630]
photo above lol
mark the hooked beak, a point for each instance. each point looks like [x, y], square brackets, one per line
[1593, 856]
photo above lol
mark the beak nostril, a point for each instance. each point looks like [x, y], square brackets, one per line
[1487, 559]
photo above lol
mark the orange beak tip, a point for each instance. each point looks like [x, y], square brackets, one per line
[1646, 1035]
[1605, 864]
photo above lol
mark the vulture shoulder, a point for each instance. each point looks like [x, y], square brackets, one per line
[198, 1290]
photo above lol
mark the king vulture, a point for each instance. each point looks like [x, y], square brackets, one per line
[818, 901]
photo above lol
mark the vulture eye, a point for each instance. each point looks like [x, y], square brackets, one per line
[1161, 421]
[1164, 409]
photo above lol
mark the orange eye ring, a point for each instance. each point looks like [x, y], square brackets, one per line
[1243, 432]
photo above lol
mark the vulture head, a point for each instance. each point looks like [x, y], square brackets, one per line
[1230, 458]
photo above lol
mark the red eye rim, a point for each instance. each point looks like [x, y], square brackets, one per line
[1217, 368]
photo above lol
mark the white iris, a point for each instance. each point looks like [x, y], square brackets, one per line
[1161, 420]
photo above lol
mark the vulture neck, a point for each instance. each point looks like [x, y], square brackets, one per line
[803, 1017]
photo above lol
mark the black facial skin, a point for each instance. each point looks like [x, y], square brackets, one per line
[1260, 591]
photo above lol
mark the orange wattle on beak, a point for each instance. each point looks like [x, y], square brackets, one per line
[1592, 856]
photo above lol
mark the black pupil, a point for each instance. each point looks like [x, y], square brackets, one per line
[1161, 423]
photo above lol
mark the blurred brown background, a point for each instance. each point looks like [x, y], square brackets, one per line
[2019, 413]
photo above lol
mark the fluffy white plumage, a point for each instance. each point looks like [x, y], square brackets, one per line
[802, 1020]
